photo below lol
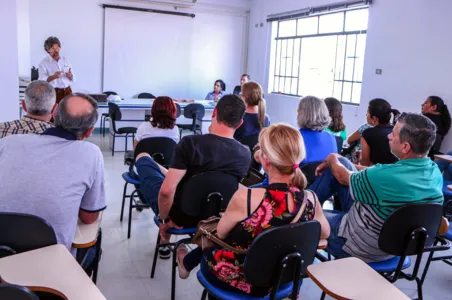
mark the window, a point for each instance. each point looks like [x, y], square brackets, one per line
[321, 55]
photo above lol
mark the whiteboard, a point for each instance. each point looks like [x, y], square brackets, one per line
[175, 56]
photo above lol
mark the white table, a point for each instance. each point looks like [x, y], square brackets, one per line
[50, 269]
[447, 158]
[86, 234]
[133, 111]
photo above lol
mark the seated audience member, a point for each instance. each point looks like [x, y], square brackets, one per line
[248, 215]
[219, 89]
[255, 118]
[162, 122]
[39, 103]
[313, 118]
[337, 126]
[375, 143]
[369, 196]
[56, 175]
[238, 89]
[216, 151]
[435, 109]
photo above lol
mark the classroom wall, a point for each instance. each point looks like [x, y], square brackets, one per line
[9, 70]
[78, 24]
[23, 40]
[408, 39]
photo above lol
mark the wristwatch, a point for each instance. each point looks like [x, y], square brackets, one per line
[163, 221]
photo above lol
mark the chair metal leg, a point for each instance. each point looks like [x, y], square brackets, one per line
[173, 273]
[130, 215]
[98, 251]
[204, 295]
[123, 200]
[154, 262]
[323, 296]
[419, 289]
[127, 136]
[113, 146]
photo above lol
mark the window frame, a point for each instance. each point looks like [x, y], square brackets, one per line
[277, 44]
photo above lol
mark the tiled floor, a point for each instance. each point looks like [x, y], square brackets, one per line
[126, 263]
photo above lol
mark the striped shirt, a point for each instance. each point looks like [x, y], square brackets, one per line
[24, 126]
[377, 192]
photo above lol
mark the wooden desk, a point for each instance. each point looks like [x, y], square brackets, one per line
[447, 158]
[86, 234]
[51, 269]
[351, 278]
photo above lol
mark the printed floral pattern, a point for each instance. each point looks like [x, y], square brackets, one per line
[272, 212]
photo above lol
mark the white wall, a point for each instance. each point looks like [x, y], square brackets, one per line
[409, 40]
[23, 37]
[78, 25]
[9, 70]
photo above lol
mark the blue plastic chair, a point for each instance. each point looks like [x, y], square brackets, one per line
[287, 251]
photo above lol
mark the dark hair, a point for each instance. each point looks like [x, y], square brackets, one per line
[163, 113]
[222, 84]
[252, 92]
[443, 111]
[247, 76]
[76, 124]
[381, 109]
[335, 111]
[230, 110]
[417, 130]
[50, 42]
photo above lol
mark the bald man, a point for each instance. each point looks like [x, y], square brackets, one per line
[56, 175]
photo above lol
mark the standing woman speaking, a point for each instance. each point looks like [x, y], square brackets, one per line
[56, 69]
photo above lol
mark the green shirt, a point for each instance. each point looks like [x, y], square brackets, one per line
[342, 134]
[377, 192]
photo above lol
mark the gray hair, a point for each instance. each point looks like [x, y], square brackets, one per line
[313, 114]
[418, 131]
[39, 98]
[76, 124]
[50, 42]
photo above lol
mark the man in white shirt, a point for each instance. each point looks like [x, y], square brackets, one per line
[56, 70]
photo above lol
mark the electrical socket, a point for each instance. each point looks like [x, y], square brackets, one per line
[378, 71]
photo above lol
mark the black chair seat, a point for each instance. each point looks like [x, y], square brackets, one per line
[187, 126]
[127, 130]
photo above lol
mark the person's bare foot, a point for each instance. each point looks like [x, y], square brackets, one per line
[181, 253]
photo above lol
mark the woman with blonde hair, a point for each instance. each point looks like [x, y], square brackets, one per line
[252, 211]
[255, 115]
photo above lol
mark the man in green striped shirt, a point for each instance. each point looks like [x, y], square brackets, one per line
[369, 196]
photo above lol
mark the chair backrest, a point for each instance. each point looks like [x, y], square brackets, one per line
[160, 148]
[339, 142]
[110, 93]
[309, 171]
[24, 232]
[268, 250]
[403, 233]
[16, 292]
[114, 113]
[206, 194]
[350, 148]
[194, 111]
[146, 96]
[179, 110]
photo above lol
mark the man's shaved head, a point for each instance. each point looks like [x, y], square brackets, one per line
[77, 114]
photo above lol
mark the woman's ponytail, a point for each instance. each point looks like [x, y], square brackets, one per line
[299, 180]
[261, 111]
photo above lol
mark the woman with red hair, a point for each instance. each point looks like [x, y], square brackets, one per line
[162, 122]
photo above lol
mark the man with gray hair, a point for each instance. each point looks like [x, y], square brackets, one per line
[39, 103]
[56, 69]
[369, 196]
[56, 175]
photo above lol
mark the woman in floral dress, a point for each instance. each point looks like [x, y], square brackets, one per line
[252, 211]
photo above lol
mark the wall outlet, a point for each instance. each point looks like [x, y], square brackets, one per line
[378, 71]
